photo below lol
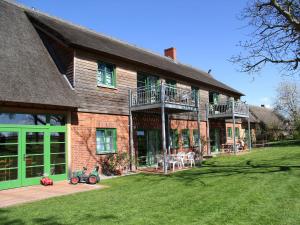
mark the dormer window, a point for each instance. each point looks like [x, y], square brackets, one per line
[106, 75]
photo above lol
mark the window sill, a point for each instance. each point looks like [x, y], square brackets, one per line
[106, 153]
[106, 86]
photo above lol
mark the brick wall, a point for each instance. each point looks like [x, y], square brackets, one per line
[83, 137]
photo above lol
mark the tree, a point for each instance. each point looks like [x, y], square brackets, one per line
[288, 102]
[276, 36]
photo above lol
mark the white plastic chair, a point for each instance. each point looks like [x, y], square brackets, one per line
[172, 161]
[159, 160]
[191, 158]
[180, 158]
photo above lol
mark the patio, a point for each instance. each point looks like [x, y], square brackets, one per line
[27, 194]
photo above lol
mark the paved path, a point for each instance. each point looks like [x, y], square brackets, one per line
[38, 192]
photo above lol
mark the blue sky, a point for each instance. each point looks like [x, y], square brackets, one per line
[205, 34]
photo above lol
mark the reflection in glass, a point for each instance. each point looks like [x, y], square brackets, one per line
[8, 162]
[57, 137]
[58, 147]
[8, 137]
[34, 171]
[34, 160]
[34, 137]
[58, 158]
[34, 149]
[8, 174]
[8, 149]
[22, 119]
[57, 120]
[58, 169]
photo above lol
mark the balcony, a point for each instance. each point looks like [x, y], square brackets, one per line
[228, 109]
[155, 96]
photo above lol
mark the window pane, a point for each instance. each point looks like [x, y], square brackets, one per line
[8, 137]
[8, 174]
[57, 137]
[34, 149]
[34, 160]
[57, 120]
[8, 162]
[58, 169]
[58, 158]
[34, 137]
[57, 148]
[105, 140]
[8, 149]
[34, 171]
[22, 119]
[109, 78]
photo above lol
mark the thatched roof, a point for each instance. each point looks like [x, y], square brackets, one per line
[266, 116]
[80, 37]
[28, 74]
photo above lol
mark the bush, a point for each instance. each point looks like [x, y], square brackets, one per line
[115, 164]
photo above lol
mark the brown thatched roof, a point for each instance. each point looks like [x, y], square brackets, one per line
[28, 74]
[266, 116]
[77, 36]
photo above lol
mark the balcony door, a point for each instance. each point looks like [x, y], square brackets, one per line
[149, 84]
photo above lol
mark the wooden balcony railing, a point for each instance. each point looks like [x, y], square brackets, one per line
[150, 95]
[229, 108]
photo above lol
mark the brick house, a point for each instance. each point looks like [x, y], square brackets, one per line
[70, 96]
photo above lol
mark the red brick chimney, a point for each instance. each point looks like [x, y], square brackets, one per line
[171, 53]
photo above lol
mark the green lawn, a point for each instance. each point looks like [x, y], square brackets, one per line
[262, 187]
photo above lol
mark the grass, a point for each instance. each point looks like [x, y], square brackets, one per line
[257, 188]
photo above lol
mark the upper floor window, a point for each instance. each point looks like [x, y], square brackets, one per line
[213, 97]
[106, 74]
[146, 80]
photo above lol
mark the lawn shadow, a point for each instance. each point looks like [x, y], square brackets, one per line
[5, 220]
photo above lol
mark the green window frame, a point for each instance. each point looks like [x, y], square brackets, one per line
[106, 140]
[174, 138]
[106, 74]
[237, 132]
[185, 137]
[229, 132]
[195, 137]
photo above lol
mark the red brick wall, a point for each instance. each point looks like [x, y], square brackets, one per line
[83, 137]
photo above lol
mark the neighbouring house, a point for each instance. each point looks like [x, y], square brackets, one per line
[70, 96]
[268, 124]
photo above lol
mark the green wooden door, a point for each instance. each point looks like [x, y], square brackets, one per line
[10, 157]
[27, 153]
[35, 149]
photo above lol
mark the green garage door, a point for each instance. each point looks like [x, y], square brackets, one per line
[27, 152]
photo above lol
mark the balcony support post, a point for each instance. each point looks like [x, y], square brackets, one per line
[131, 144]
[199, 128]
[233, 130]
[163, 126]
[207, 130]
[249, 131]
